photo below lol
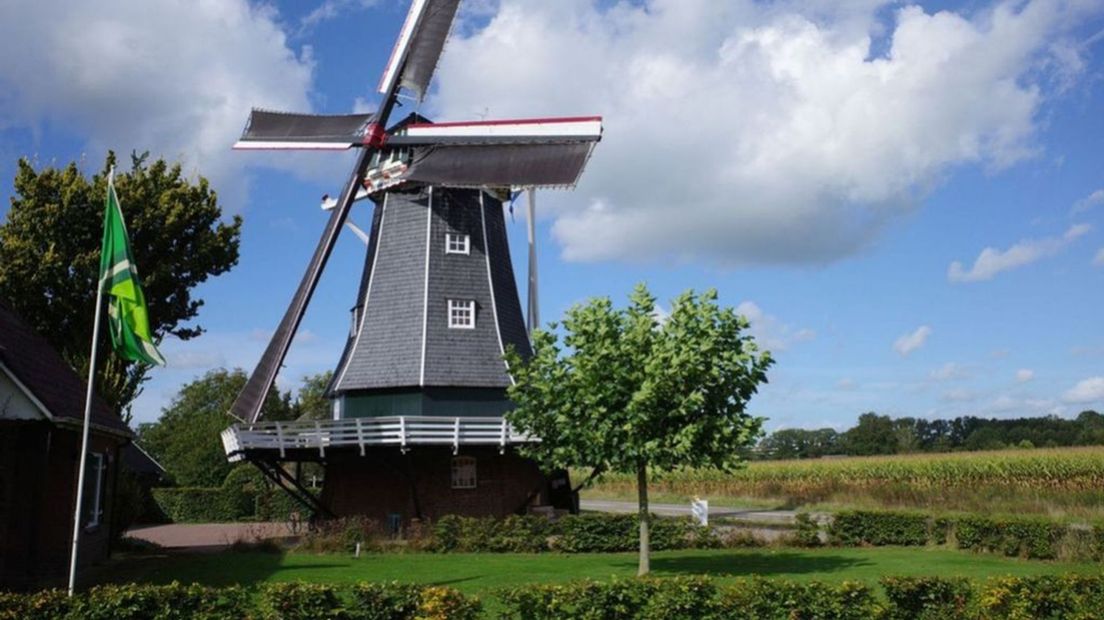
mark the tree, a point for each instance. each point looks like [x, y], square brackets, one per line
[628, 392]
[185, 439]
[50, 256]
[311, 402]
[874, 434]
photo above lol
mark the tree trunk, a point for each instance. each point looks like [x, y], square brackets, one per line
[645, 540]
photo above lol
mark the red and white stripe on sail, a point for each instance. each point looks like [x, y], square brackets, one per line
[578, 128]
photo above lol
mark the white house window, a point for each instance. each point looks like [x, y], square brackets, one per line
[461, 314]
[94, 488]
[455, 243]
[463, 472]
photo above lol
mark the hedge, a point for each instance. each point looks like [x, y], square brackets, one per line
[279, 601]
[243, 496]
[1072, 597]
[569, 534]
[1051, 597]
[1024, 537]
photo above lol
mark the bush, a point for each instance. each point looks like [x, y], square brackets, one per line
[1049, 597]
[857, 527]
[926, 598]
[768, 599]
[342, 535]
[807, 533]
[390, 601]
[1029, 538]
[301, 601]
[243, 496]
[438, 603]
[611, 533]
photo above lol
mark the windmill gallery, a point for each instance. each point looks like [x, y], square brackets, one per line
[419, 392]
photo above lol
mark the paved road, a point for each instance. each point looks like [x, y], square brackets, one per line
[781, 517]
[209, 536]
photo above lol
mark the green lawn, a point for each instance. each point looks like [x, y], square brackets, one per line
[478, 573]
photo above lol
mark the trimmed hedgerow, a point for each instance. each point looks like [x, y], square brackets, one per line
[927, 598]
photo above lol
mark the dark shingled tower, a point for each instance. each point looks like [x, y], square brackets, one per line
[407, 355]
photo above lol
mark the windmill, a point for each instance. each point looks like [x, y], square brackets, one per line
[419, 391]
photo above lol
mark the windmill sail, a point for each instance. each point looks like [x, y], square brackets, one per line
[285, 130]
[415, 56]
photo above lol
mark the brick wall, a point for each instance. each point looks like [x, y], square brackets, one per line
[419, 483]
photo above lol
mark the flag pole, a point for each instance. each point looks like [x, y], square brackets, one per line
[83, 465]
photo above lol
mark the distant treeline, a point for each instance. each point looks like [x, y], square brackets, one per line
[880, 434]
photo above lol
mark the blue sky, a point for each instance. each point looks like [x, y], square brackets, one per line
[906, 200]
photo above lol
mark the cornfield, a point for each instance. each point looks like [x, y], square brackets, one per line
[1061, 481]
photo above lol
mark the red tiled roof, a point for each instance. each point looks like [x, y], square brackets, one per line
[43, 371]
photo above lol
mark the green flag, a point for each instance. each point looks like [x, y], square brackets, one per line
[126, 309]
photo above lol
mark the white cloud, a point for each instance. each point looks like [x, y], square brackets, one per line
[173, 77]
[1092, 200]
[1024, 375]
[1099, 260]
[847, 384]
[949, 372]
[770, 332]
[992, 261]
[760, 133]
[959, 395]
[1090, 390]
[329, 10]
[912, 341]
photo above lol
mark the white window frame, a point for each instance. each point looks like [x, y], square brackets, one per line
[457, 243]
[456, 310]
[95, 517]
[463, 472]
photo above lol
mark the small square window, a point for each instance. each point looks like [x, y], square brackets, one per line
[455, 243]
[463, 472]
[461, 314]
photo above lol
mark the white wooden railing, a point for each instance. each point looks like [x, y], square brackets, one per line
[361, 433]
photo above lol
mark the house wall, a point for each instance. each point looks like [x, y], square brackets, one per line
[38, 480]
[419, 483]
[14, 404]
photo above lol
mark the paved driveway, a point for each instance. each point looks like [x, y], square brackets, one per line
[781, 517]
[209, 536]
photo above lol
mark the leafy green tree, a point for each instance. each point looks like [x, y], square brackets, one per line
[50, 256]
[874, 434]
[796, 443]
[311, 403]
[185, 439]
[627, 392]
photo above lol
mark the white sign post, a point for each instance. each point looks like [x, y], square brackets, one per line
[699, 508]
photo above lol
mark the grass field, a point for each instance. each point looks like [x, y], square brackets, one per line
[483, 573]
[1061, 482]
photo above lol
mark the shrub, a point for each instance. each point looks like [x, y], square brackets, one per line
[342, 535]
[438, 603]
[807, 533]
[301, 601]
[768, 599]
[610, 533]
[926, 598]
[390, 601]
[47, 605]
[1049, 597]
[858, 527]
[1029, 538]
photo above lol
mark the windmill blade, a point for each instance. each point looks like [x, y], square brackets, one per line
[533, 153]
[418, 48]
[248, 404]
[286, 130]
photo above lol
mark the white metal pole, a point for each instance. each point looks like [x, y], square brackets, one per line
[533, 315]
[84, 439]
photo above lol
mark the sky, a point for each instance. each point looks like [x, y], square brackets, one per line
[905, 200]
